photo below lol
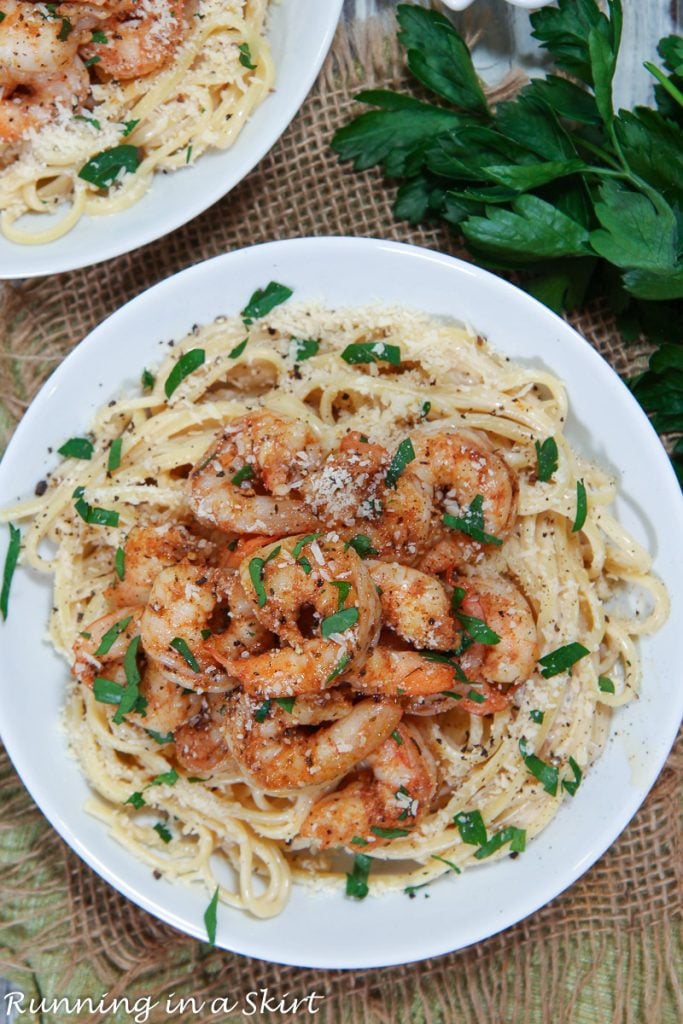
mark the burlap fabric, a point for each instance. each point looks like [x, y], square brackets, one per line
[607, 950]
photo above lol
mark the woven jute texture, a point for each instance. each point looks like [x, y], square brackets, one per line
[608, 950]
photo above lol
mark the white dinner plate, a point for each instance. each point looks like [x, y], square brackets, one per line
[605, 424]
[300, 34]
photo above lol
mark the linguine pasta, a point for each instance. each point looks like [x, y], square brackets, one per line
[221, 71]
[587, 583]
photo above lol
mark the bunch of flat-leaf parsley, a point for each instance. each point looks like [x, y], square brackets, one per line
[585, 200]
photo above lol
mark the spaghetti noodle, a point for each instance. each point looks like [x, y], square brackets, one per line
[493, 763]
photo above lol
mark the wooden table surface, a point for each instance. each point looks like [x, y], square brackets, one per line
[506, 40]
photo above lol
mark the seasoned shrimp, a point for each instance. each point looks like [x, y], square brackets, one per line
[415, 605]
[280, 756]
[349, 494]
[320, 601]
[195, 620]
[393, 793]
[122, 626]
[463, 468]
[141, 38]
[502, 606]
[256, 453]
[472, 672]
[148, 550]
[40, 70]
[200, 743]
[168, 705]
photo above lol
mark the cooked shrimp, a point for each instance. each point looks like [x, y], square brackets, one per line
[260, 451]
[407, 674]
[200, 743]
[206, 614]
[168, 705]
[141, 38]
[148, 550]
[393, 793]
[463, 467]
[415, 605]
[122, 626]
[473, 673]
[502, 606]
[319, 599]
[40, 70]
[279, 756]
[349, 494]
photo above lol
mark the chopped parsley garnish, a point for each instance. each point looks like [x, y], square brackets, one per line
[147, 380]
[389, 833]
[181, 646]
[159, 737]
[405, 453]
[357, 881]
[477, 629]
[425, 409]
[114, 460]
[205, 633]
[371, 352]
[264, 300]
[302, 542]
[256, 567]
[77, 448]
[2, 16]
[339, 622]
[10, 565]
[88, 64]
[131, 692]
[287, 703]
[163, 832]
[338, 669]
[99, 37]
[211, 919]
[359, 841]
[303, 348]
[536, 716]
[91, 514]
[168, 778]
[472, 522]
[547, 774]
[65, 30]
[187, 364]
[188, 154]
[605, 684]
[237, 351]
[245, 473]
[396, 737]
[362, 545]
[546, 459]
[106, 691]
[89, 120]
[478, 698]
[344, 589]
[471, 827]
[120, 563]
[581, 506]
[245, 57]
[128, 129]
[448, 863]
[136, 799]
[103, 169]
[452, 694]
[263, 710]
[561, 659]
[516, 837]
[571, 785]
[110, 636]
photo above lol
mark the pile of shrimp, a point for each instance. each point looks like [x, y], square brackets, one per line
[51, 53]
[311, 610]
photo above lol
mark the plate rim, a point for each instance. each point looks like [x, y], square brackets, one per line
[551, 890]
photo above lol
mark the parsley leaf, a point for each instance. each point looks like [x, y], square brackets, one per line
[104, 168]
[11, 559]
[546, 459]
[264, 300]
[357, 881]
